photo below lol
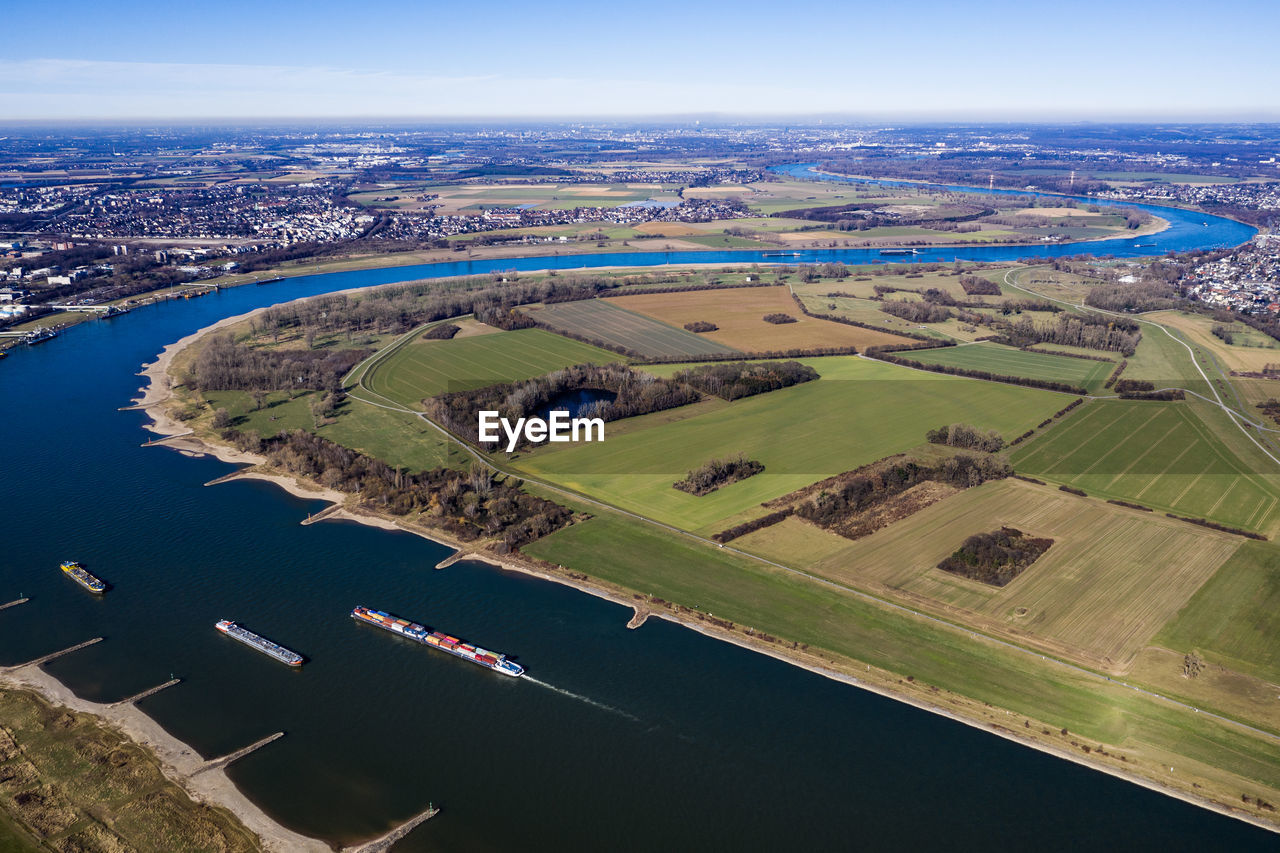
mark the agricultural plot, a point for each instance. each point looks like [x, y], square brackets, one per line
[1160, 455]
[1007, 361]
[1250, 350]
[425, 368]
[474, 198]
[601, 320]
[1108, 583]
[739, 313]
[1235, 617]
[857, 412]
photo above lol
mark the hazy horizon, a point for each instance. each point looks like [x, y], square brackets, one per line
[994, 60]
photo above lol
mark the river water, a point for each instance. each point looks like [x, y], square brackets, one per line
[657, 738]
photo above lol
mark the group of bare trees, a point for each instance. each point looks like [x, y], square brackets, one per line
[966, 436]
[1080, 330]
[997, 557]
[226, 365]
[716, 473]
[855, 492]
[634, 393]
[743, 379]
[469, 504]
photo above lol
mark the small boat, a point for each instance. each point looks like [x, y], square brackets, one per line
[40, 336]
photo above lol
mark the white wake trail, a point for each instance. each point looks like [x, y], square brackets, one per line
[602, 706]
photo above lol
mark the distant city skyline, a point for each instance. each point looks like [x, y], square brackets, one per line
[986, 60]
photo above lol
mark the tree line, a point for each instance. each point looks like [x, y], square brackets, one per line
[635, 393]
[745, 379]
[226, 365]
[468, 504]
[850, 494]
[1078, 330]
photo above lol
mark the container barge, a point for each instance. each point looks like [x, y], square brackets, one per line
[262, 644]
[77, 573]
[436, 639]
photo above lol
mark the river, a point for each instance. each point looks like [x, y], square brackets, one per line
[658, 738]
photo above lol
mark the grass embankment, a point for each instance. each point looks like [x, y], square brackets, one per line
[75, 785]
[937, 663]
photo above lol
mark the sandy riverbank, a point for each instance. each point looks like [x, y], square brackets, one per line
[177, 760]
[1032, 733]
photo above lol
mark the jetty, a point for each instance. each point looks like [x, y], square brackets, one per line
[379, 845]
[164, 438]
[449, 561]
[52, 656]
[322, 514]
[138, 697]
[215, 763]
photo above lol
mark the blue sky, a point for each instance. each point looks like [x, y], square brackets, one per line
[984, 59]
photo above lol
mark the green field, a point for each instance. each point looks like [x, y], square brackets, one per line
[858, 412]
[425, 368]
[396, 438]
[730, 586]
[1235, 617]
[604, 321]
[1007, 361]
[1157, 454]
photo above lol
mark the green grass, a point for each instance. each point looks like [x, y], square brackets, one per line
[858, 412]
[1160, 455]
[1164, 361]
[397, 438]
[794, 608]
[1235, 617]
[604, 321]
[280, 411]
[1007, 361]
[722, 241]
[424, 368]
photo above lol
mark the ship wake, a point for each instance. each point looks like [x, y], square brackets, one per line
[593, 703]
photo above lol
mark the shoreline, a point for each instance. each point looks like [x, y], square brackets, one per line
[178, 761]
[967, 711]
[1108, 201]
